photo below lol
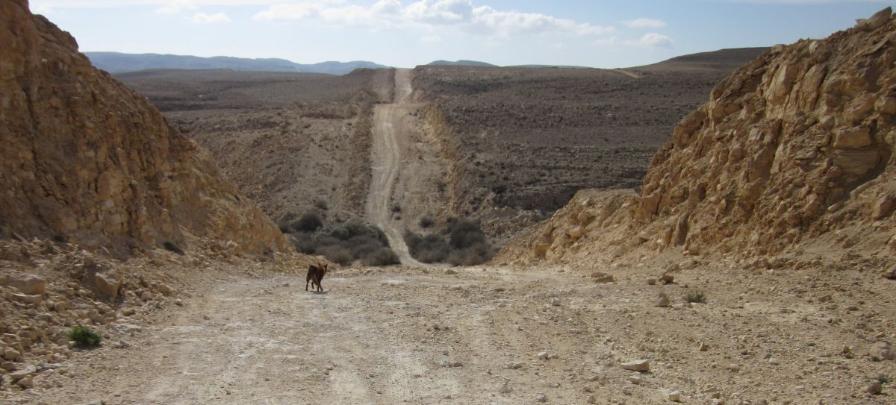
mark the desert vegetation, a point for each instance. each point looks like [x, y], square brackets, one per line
[341, 242]
[460, 242]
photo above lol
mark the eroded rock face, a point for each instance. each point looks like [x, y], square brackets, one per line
[794, 146]
[88, 160]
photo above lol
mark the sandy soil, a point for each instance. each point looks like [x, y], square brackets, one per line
[497, 335]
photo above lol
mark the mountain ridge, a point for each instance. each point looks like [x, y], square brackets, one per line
[119, 62]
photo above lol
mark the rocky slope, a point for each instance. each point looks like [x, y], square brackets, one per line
[792, 155]
[87, 160]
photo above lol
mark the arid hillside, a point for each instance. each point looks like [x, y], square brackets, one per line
[792, 157]
[293, 142]
[524, 140]
[87, 160]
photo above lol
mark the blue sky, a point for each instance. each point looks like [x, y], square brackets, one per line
[598, 33]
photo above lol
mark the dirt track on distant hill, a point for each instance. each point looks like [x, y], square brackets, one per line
[385, 156]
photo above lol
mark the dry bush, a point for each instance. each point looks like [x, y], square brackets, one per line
[460, 242]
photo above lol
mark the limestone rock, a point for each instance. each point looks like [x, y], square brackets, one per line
[641, 366]
[87, 159]
[26, 283]
[784, 152]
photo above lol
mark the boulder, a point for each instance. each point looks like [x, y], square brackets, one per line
[26, 283]
[107, 284]
[850, 138]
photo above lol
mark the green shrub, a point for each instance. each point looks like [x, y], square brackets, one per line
[696, 297]
[309, 222]
[347, 242]
[460, 242]
[381, 257]
[84, 337]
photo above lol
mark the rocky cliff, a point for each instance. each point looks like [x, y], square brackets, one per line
[87, 160]
[792, 152]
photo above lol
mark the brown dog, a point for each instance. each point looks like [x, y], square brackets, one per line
[316, 273]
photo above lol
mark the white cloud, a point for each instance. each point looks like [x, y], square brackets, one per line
[645, 23]
[461, 14]
[653, 40]
[203, 18]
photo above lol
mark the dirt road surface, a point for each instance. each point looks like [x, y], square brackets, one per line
[493, 335]
[389, 121]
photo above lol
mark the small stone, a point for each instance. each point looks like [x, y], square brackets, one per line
[599, 277]
[128, 311]
[641, 366]
[505, 388]
[890, 274]
[874, 388]
[450, 272]
[703, 346]
[881, 351]
[555, 302]
[514, 366]
[667, 279]
[636, 379]
[540, 397]
[28, 299]
[662, 300]
[651, 281]
[543, 356]
[672, 395]
[11, 354]
[26, 382]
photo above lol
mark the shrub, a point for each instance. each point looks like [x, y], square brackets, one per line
[338, 254]
[309, 222]
[171, 247]
[285, 222]
[321, 205]
[426, 222]
[84, 337]
[460, 242]
[463, 234]
[347, 242]
[696, 297]
[381, 257]
[427, 249]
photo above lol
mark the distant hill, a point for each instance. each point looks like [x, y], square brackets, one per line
[115, 62]
[721, 59]
[460, 63]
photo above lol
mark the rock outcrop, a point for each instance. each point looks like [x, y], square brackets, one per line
[793, 149]
[87, 160]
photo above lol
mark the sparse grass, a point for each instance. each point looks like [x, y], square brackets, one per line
[84, 337]
[696, 297]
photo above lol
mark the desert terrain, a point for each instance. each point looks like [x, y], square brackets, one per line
[750, 261]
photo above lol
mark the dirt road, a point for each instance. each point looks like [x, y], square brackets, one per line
[385, 155]
[492, 335]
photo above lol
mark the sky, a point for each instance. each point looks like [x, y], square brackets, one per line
[406, 33]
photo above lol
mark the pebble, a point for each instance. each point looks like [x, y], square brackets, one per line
[672, 395]
[874, 388]
[662, 300]
[505, 388]
[641, 366]
[543, 356]
[540, 397]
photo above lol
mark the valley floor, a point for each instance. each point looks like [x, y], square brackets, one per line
[495, 335]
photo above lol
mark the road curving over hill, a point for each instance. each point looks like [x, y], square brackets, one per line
[385, 155]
